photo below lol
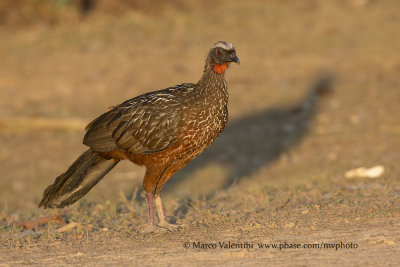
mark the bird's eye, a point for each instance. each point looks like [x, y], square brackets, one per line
[219, 52]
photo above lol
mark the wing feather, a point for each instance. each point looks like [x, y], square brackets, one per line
[144, 124]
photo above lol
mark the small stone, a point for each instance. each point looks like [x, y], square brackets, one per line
[363, 172]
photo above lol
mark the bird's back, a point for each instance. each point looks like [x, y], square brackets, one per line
[145, 124]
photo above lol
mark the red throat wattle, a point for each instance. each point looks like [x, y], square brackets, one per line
[220, 68]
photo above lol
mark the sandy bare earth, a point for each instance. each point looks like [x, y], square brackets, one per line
[317, 94]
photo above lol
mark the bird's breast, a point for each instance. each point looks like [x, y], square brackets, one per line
[203, 120]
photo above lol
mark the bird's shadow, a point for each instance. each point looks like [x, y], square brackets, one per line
[256, 140]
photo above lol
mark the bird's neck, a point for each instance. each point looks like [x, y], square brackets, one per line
[212, 83]
[218, 68]
[213, 71]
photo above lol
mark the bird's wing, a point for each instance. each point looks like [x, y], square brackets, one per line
[144, 124]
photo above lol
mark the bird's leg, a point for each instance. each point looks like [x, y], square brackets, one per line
[151, 227]
[161, 215]
[150, 206]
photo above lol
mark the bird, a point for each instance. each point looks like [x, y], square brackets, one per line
[162, 130]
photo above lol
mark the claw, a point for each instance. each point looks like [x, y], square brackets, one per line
[169, 226]
[151, 228]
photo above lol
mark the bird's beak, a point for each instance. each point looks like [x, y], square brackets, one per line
[234, 58]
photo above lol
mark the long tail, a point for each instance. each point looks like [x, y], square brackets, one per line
[81, 176]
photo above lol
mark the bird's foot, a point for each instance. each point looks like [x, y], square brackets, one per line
[151, 228]
[169, 226]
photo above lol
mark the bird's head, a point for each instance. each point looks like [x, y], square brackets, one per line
[220, 55]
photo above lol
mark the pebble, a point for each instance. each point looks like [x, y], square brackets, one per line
[363, 172]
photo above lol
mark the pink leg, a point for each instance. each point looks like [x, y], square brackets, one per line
[150, 206]
[163, 224]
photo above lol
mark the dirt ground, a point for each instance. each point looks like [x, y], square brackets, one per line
[317, 94]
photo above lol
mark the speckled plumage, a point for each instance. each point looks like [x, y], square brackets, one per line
[162, 130]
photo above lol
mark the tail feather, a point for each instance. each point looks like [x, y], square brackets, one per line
[76, 182]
